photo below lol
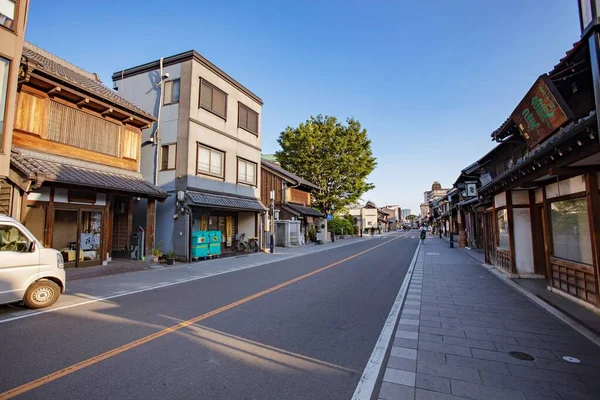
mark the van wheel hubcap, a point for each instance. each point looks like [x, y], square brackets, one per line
[43, 295]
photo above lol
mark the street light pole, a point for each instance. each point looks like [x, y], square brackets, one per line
[589, 23]
[333, 227]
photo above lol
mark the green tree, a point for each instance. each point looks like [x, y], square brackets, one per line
[411, 217]
[341, 226]
[334, 156]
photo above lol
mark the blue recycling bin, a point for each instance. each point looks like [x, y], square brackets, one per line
[200, 243]
[214, 246]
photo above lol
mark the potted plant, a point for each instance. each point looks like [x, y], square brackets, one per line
[157, 252]
[170, 258]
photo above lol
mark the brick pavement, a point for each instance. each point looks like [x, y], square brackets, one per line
[459, 323]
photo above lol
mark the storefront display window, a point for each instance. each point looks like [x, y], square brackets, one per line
[503, 231]
[571, 231]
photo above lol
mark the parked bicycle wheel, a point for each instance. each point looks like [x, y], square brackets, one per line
[253, 245]
[240, 246]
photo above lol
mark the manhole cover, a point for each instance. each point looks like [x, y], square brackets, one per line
[570, 359]
[521, 356]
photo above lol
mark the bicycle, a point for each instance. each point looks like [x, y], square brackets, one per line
[247, 244]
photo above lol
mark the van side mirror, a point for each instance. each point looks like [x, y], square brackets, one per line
[32, 247]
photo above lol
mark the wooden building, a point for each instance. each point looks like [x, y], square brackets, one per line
[543, 220]
[75, 150]
[292, 198]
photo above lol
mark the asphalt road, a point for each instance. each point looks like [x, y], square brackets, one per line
[303, 328]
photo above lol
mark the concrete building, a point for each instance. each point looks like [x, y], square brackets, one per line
[205, 150]
[13, 20]
[404, 213]
[365, 215]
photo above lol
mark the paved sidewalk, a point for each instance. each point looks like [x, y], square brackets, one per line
[457, 327]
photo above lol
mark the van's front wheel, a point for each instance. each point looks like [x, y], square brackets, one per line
[41, 294]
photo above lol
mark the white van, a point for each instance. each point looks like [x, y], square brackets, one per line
[28, 271]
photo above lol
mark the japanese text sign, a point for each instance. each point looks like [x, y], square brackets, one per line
[541, 112]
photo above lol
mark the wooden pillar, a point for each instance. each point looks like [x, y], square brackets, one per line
[107, 228]
[23, 211]
[129, 222]
[547, 236]
[462, 235]
[150, 225]
[593, 208]
[49, 220]
[511, 232]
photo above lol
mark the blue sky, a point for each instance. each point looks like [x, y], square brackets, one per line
[429, 80]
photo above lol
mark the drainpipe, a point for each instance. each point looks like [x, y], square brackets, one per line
[157, 131]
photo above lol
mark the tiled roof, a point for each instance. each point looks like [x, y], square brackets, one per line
[301, 210]
[295, 178]
[562, 135]
[51, 168]
[87, 81]
[224, 201]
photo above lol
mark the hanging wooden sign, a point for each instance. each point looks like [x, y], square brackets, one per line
[541, 112]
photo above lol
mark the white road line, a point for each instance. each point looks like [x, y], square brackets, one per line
[158, 286]
[366, 385]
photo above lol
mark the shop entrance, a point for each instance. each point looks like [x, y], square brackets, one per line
[77, 234]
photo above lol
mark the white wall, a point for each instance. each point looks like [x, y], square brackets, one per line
[246, 223]
[523, 240]
[142, 90]
[568, 186]
[246, 146]
[520, 197]
[500, 199]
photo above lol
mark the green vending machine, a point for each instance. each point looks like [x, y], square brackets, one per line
[200, 243]
[214, 247]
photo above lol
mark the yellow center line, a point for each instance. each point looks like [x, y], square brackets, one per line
[128, 346]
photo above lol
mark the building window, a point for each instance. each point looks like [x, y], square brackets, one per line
[246, 172]
[167, 156]
[213, 99]
[7, 14]
[503, 232]
[571, 231]
[247, 119]
[171, 95]
[4, 66]
[210, 161]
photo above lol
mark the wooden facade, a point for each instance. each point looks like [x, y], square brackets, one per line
[292, 198]
[81, 149]
[544, 216]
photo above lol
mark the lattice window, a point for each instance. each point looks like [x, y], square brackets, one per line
[79, 129]
[575, 281]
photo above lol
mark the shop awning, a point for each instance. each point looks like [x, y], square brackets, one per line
[45, 167]
[225, 202]
[301, 210]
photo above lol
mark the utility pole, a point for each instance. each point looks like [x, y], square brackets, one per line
[589, 23]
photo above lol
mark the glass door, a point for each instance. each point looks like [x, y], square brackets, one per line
[64, 235]
[90, 237]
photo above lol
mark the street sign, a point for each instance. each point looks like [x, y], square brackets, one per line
[329, 217]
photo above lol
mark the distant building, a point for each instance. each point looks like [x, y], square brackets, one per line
[364, 215]
[404, 213]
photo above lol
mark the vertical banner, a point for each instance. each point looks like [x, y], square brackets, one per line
[229, 230]
[204, 222]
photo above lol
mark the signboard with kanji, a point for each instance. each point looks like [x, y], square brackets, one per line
[541, 112]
